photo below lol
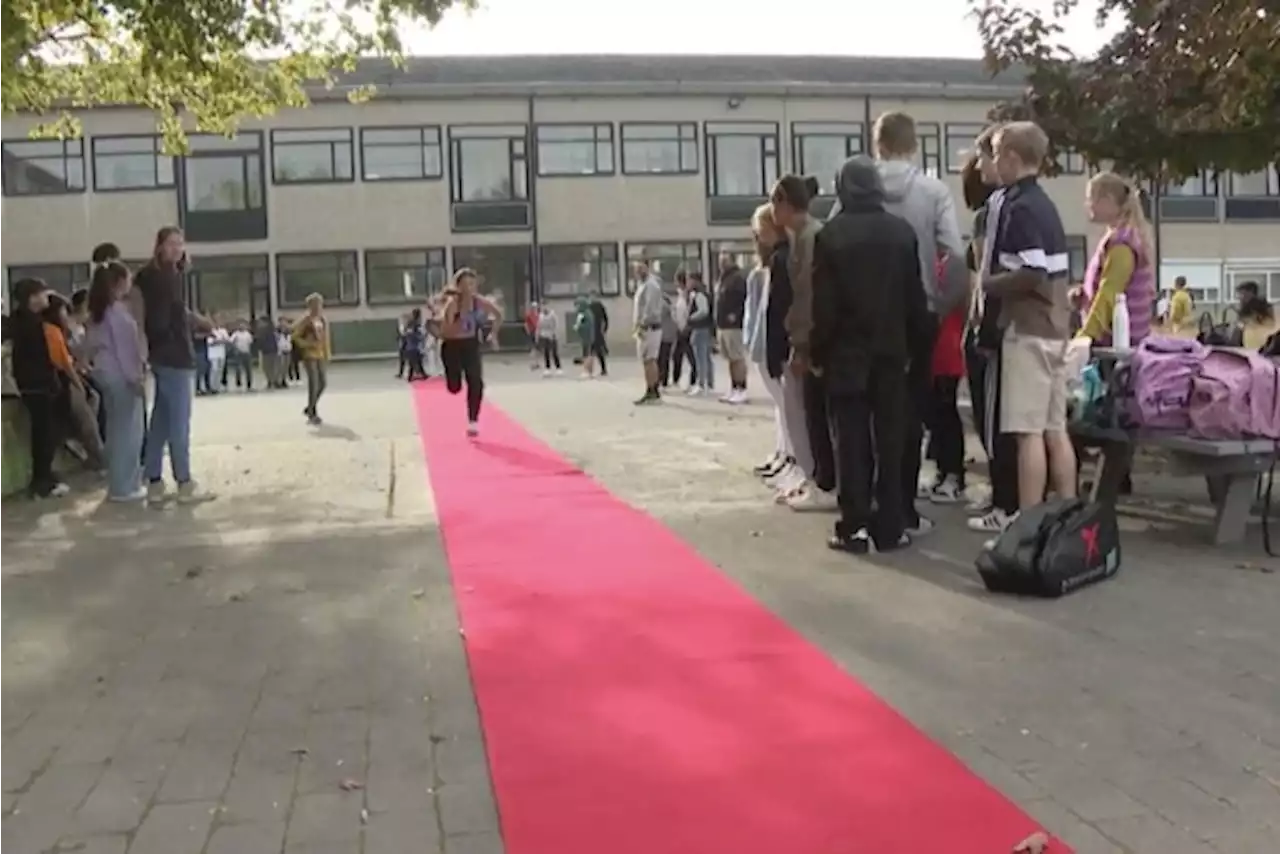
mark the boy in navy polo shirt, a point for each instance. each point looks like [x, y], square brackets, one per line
[1029, 273]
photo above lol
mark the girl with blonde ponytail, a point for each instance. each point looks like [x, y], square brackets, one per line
[1123, 263]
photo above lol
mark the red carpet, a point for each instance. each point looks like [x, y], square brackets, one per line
[635, 701]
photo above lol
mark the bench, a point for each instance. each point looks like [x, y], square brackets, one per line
[1231, 468]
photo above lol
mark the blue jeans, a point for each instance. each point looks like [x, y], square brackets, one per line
[170, 423]
[700, 342]
[125, 416]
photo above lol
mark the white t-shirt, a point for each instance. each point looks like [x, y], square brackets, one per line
[242, 340]
[218, 343]
[284, 342]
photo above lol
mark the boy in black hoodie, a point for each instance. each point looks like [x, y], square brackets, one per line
[38, 382]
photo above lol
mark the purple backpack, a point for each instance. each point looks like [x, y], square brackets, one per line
[1236, 394]
[1160, 374]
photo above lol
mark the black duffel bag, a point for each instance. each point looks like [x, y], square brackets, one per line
[1052, 549]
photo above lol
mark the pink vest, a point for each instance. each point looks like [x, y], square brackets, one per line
[1139, 294]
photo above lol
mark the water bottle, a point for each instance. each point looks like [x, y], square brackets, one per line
[1120, 324]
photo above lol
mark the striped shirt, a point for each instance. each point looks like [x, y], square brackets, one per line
[1029, 235]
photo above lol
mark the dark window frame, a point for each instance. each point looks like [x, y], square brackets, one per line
[679, 140]
[799, 133]
[77, 275]
[968, 130]
[764, 139]
[1210, 186]
[600, 287]
[157, 157]
[594, 140]
[429, 252]
[333, 144]
[337, 254]
[1073, 163]
[423, 146]
[628, 281]
[517, 156]
[222, 224]
[926, 133]
[67, 156]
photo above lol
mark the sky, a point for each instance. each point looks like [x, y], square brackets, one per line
[937, 28]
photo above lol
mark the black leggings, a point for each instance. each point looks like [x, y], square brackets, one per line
[818, 421]
[42, 412]
[550, 352]
[946, 431]
[461, 358]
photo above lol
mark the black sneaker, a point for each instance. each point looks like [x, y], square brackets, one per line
[859, 543]
[647, 397]
[769, 467]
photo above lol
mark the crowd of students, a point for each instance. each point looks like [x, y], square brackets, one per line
[864, 327]
[84, 368]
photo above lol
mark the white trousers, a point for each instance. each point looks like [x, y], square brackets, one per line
[782, 436]
[797, 426]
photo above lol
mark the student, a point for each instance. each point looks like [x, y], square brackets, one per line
[646, 323]
[790, 200]
[268, 348]
[755, 313]
[731, 300]
[584, 326]
[82, 419]
[402, 326]
[216, 343]
[415, 345]
[670, 334]
[531, 331]
[241, 354]
[682, 351]
[1182, 308]
[311, 342]
[464, 316]
[1029, 274]
[1122, 264]
[36, 376]
[119, 370]
[946, 430]
[548, 332]
[284, 345]
[700, 329]
[870, 318]
[600, 340]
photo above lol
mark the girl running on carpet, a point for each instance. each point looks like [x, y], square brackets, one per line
[465, 315]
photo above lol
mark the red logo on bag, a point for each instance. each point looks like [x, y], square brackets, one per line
[1089, 535]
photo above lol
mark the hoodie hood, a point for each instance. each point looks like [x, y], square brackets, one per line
[898, 177]
[858, 183]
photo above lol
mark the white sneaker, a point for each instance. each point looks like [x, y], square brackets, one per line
[948, 492]
[993, 522]
[191, 493]
[559, 372]
[546, 374]
[813, 500]
[920, 528]
[925, 487]
[979, 497]
[695, 391]
[785, 474]
[586, 376]
[788, 486]
[473, 429]
[156, 492]
[138, 495]
[738, 396]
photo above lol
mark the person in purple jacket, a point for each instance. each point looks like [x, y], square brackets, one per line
[119, 372]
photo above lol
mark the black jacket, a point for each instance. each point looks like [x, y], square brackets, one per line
[731, 299]
[33, 370]
[601, 317]
[777, 346]
[167, 326]
[869, 304]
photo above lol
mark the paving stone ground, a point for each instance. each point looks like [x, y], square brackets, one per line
[281, 670]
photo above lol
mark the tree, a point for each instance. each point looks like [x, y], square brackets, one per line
[206, 60]
[1185, 85]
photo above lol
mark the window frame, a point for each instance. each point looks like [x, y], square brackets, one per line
[1265, 274]
[353, 255]
[428, 252]
[333, 144]
[969, 130]
[679, 141]
[157, 155]
[763, 139]
[628, 281]
[600, 285]
[71, 267]
[423, 146]
[1273, 185]
[595, 141]
[1073, 163]
[1210, 186]
[927, 132]
[799, 134]
[458, 135]
[65, 157]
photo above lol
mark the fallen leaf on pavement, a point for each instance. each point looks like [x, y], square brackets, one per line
[1036, 843]
[350, 785]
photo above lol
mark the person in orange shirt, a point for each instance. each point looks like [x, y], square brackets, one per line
[84, 421]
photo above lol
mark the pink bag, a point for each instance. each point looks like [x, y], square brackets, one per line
[1236, 395]
[1160, 372]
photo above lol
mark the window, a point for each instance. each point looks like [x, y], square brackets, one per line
[503, 273]
[311, 156]
[63, 278]
[400, 154]
[743, 253]
[960, 144]
[929, 139]
[575, 149]
[1077, 257]
[403, 275]
[223, 188]
[659, 149]
[331, 274]
[43, 167]
[665, 260]
[130, 163]
[237, 287]
[1204, 184]
[490, 177]
[1267, 277]
[742, 159]
[1072, 163]
[1263, 183]
[821, 148]
[580, 270]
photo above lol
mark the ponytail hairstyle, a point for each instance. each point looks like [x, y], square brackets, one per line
[1129, 200]
[762, 224]
[103, 289]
